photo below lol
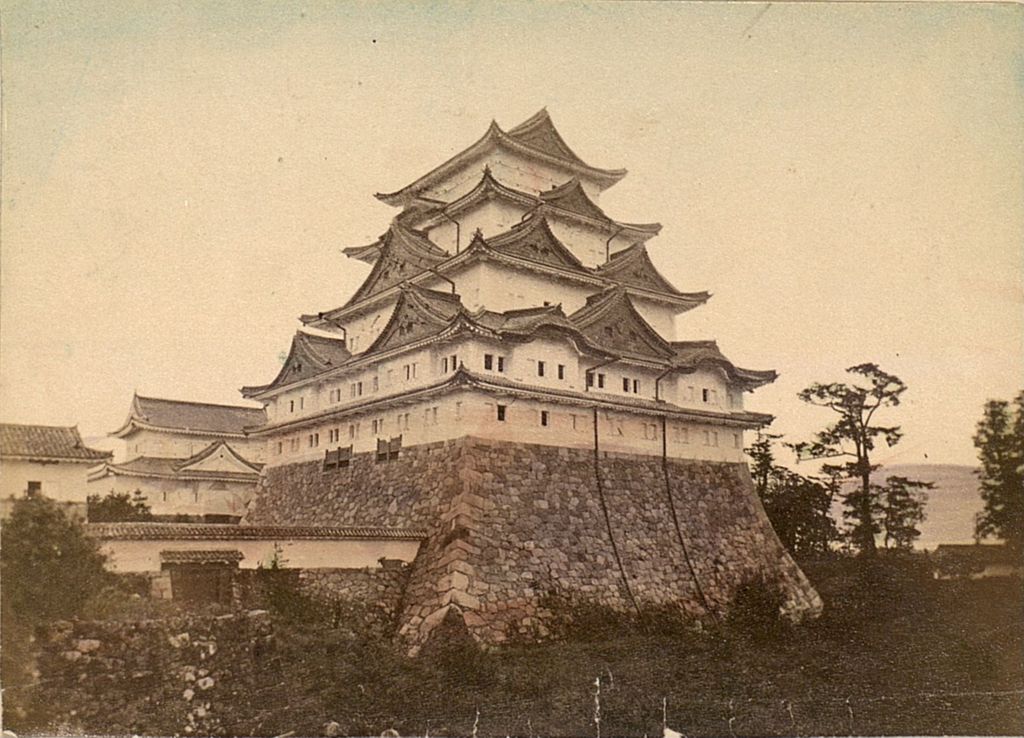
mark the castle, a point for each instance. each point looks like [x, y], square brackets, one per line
[508, 379]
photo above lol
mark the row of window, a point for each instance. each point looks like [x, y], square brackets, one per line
[651, 431]
[498, 363]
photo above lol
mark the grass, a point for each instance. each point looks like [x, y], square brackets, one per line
[896, 653]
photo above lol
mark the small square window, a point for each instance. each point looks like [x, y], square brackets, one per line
[33, 489]
[501, 413]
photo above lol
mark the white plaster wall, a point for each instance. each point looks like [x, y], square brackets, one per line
[689, 391]
[181, 446]
[144, 556]
[62, 481]
[474, 413]
[589, 245]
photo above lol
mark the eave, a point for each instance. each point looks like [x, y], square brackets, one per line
[493, 139]
[135, 424]
[434, 213]
[463, 378]
[685, 301]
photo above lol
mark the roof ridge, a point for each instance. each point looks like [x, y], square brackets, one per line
[197, 402]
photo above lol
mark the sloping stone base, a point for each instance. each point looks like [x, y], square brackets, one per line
[510, 522]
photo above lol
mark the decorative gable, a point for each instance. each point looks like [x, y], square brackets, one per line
[633, 267]
[533, 240]
[218, 457]
[403, 253]
[610, 320]
[420, 313]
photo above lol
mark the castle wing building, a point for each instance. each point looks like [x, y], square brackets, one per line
[193, 460]
[45, 461]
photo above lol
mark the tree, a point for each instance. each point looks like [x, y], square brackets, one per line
[1000, 443]
[798, 507]
[854, 436]
[48, 566]
[902, 503]
[118, 508]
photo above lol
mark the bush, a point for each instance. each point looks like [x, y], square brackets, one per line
[756, 608]
[49, 569]
[118, 508]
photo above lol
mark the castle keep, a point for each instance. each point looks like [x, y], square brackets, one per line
[508, 380]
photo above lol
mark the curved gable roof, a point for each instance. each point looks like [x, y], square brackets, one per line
[692, 355]
[535, 137]
[308, 356]
[532, 239]
[610, 320]
[633, 267]
[420, 313]
[404, 253]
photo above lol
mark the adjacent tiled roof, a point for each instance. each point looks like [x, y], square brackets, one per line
[46, 442]
[610, 320]
[228, 532]
[194, 417]
[154, 466]
[633, 267]
[691, 355]
[308, 356]
[214, 556]
[535, 138]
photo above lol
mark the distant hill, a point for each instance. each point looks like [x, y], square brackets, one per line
[952, 504]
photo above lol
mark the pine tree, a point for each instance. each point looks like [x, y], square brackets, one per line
[855, 436]
[1000, 443]
[902, 504]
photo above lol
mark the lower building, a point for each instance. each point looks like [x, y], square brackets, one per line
[45, 461]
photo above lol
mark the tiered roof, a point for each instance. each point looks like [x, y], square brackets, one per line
[535, 137]
[182, 416]
[46, 442]
[568, 200]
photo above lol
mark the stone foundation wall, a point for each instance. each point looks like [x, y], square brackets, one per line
[382, 589]
[509, 522]
[190, 669]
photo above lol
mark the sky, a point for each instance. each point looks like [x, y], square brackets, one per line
[846, 179]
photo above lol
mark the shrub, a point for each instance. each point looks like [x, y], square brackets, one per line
[756, 608]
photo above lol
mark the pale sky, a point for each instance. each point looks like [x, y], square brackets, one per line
[846, 179]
